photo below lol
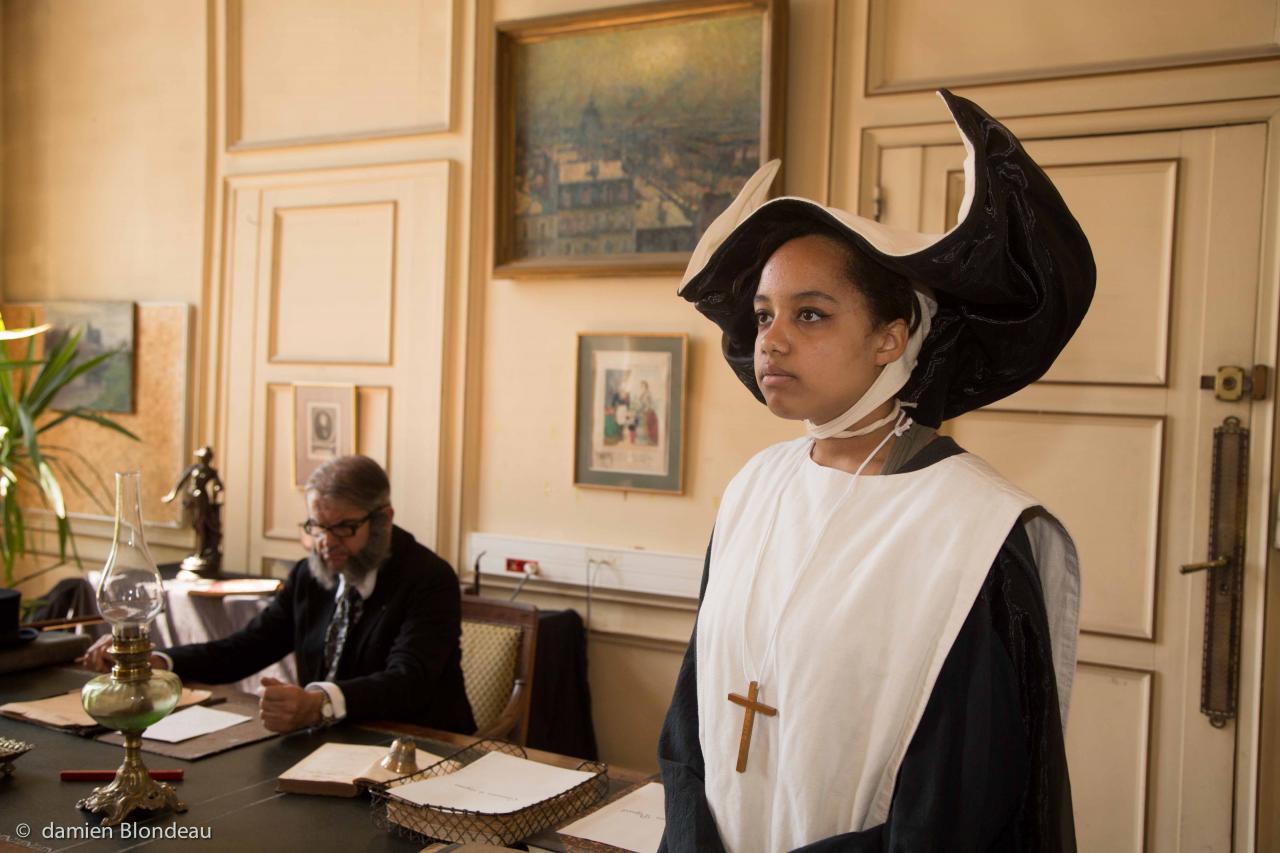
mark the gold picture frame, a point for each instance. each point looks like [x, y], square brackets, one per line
[630, 417]
[591, 107]
[325, 426]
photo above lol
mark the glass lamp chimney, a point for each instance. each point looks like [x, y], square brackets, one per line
[130, 593]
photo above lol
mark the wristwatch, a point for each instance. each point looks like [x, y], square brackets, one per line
[326, 709]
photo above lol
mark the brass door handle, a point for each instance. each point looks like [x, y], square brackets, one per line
[1220, 563]
[1228, 518]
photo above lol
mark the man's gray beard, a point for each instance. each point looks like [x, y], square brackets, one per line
[361, 563]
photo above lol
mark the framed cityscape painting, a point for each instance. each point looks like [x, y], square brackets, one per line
[622, 134]
[629, 428]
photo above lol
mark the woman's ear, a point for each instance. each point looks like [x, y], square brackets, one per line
[892, 341]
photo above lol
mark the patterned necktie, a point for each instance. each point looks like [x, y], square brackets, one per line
[346, 614]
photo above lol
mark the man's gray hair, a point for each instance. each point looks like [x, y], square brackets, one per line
[358, 480]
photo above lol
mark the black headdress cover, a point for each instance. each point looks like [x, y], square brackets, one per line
[1012, 280]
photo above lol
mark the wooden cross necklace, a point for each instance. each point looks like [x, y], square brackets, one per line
[750, 703]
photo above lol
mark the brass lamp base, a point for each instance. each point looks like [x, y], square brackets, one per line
[129, 700]
[133, 788]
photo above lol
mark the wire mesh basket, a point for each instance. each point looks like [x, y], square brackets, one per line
[462, 825]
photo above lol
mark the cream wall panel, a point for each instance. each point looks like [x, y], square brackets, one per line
[373, 429]
[1108, 745]
[306, 70]
[402, 401]
[1125, 338]
[916, 44]
[1082, 467]
[631, 683]
[284, 506]
[334, 268]
[898, 194]
[104, 145]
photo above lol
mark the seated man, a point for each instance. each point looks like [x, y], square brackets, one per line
[373, 617]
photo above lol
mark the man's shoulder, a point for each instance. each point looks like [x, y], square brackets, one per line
[415, 561]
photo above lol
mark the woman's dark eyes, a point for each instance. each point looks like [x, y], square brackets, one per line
[804, 315]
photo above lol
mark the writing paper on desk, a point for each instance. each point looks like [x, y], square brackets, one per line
[192, 722]
[497, 783]
[634, 822]
[66, 710]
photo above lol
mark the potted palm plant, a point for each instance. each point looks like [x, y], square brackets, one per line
[30, 464]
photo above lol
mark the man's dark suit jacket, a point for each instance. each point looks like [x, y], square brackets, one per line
[401, 662]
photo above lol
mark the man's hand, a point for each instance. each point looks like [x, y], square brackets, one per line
[285, 707]
[98, 657]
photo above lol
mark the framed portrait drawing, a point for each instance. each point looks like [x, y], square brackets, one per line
[629, 427]
[324, 426]
[622, 134]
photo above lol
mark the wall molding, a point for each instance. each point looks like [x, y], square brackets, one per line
[234, 94]
[879, 83]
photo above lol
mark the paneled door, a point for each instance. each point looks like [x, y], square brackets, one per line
[1117, 441]
[334, 278]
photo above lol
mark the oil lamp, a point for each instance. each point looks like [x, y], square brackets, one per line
[133, 696]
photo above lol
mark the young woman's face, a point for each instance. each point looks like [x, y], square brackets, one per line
[817, 347]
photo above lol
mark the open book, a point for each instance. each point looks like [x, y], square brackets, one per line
[338, 769]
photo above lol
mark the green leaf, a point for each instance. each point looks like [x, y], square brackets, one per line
[55, 364]
[26, 374]
[65, 375]
[70, 473]
[72, 370]
[84, 460]
[20, 529]
[25, 459]
[49, 485]
[89, 415]
[29, 434]
[43, 571]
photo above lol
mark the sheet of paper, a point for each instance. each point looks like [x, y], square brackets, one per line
[193, 722]
[495, 784]
[346, 762]
[66, 710]
[634, 822]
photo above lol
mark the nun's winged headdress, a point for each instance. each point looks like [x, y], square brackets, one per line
[1012, 280]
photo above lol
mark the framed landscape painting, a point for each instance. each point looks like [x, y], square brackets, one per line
[629, 430]
[103, 327]
[622, 134]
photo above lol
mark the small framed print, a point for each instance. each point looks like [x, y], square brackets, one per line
[324, 427]
[630, 420]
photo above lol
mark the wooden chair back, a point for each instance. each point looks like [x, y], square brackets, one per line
[499, 639]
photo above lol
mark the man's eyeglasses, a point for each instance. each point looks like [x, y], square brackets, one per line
[343, 529]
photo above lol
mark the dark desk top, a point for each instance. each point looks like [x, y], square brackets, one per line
[232, 795]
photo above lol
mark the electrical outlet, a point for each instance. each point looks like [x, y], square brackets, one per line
[522, 567]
